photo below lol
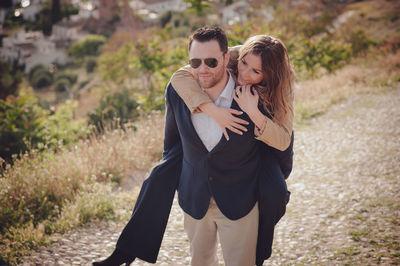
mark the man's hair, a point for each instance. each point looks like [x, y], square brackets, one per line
[206, 34]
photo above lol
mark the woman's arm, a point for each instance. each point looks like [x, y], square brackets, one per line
[277, 135]
[198, 101]
[188, 89]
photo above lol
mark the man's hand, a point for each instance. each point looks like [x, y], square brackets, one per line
[225, 118]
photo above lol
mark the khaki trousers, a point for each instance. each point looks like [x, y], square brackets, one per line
[238, 238]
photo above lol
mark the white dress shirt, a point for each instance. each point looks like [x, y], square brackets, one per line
[206, 127]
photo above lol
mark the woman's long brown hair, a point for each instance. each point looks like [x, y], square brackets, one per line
[275, 90]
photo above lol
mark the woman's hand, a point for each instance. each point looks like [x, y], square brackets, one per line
[247, 98]
[225, 118]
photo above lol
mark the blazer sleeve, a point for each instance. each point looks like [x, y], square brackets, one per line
[171, 133]
[143, 234]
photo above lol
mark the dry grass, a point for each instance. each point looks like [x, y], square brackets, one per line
[53, 192]
[364, 75]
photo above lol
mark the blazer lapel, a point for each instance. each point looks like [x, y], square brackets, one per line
[191, 130]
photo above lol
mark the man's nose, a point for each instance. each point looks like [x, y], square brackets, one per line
[203, 67]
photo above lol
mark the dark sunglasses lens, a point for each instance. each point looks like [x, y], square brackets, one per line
[195, 63]
[211, 62]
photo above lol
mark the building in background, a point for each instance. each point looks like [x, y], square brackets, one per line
[31, 9]
[161, 6]
[32, 48]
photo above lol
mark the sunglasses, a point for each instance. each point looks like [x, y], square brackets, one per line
[210, 62]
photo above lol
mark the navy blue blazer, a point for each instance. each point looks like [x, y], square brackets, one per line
[228, 172]
[143, 234]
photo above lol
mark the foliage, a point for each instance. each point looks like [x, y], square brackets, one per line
[165, 18]
[143, 68]
[49, 192]
[10, 78]
[72, 78]
[34, 69]
[22, 121]
[62, 84]
[90, 46]
[40, 77]
[11, 21]
[56, 14]
[90, 65]
[360, 43]
[199, 6]
[25, 125]
[119, 106]
[312, 54]
[45, 20]
[68, 10]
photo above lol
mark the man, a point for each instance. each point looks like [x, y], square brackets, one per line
[217, 186]
[217, 180]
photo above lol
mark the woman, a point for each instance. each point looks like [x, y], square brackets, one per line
[274, 124]
[264, 63]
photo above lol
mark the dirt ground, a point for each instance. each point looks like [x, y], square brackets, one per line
[344, 207]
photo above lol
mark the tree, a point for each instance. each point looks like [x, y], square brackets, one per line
[90, 46]
[10, 78]
[56, 14]
[198, 6]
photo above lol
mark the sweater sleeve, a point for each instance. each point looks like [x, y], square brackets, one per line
[188, 88]
[279, 135]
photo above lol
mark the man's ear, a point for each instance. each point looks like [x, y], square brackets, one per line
[227, 56]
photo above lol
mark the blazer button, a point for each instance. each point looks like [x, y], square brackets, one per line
[210, 178]
[209, 156]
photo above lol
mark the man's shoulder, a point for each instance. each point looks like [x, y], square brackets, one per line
[171, 94]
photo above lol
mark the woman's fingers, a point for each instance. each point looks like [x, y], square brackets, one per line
[234, 130]
[235, 112]
[239, 126]
[226, 134]
[240, 121]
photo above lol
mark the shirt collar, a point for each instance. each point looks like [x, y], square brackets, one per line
[227, 93]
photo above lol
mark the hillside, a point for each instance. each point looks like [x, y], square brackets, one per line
[63, 199]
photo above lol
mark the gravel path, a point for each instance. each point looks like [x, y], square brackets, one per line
[345, 203]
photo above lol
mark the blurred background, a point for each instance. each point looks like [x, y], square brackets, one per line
[82, 91]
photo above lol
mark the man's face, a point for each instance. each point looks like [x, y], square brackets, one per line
[208, 77]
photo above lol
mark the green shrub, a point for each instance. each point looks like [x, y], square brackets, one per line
[360, 42]
[90, 46]
[309, 55]
[25, 125]
[10, 79]
[41, 78]
[61, 84]
[165, 18]
[72, 78]
[21, 122]
[119, 106]
[34, 69]
[90, 65]
[83, 84]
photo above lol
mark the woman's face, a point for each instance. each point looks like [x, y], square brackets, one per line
[250, 70]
